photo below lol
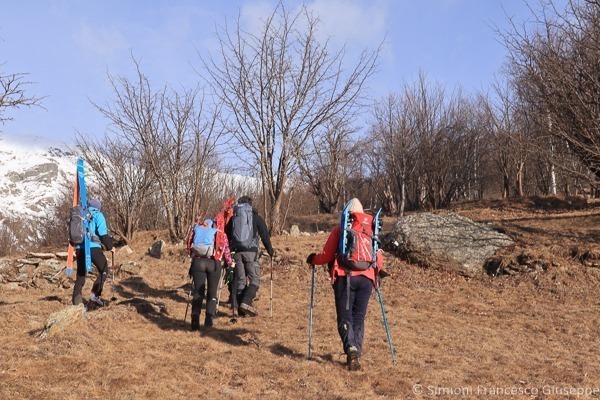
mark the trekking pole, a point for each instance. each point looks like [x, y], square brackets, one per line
[312, 295]
[221, 279]
[385, 323]
[271, 303]
[112, 276]
[234, 303]
[188, 299]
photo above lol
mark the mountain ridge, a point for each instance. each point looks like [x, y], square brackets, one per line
[34, 174]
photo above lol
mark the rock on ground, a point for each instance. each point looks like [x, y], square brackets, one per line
[61, 319]
[447, 241]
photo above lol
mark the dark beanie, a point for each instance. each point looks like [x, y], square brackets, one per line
[245, 200]
[95, 203]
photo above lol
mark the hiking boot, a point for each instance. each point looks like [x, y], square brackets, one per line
[249, 310]
[96, 300]
[195, 322]
[208, 321]
[354, 364]
[352, 360]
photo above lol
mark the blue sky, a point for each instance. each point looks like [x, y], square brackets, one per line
[69, 46]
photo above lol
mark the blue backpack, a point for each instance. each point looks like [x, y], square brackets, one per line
[203, 245]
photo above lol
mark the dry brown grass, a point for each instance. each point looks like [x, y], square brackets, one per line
[537, 330]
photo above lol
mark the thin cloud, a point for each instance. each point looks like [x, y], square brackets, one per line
[101, 42]
[355, 22]
[343, 21]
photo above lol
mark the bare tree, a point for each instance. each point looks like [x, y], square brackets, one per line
[13, 94]
[280, 86]
[555, 58]
[508, 131]
[395, 139]
[332, 158]
[123, 177]
[177, 137]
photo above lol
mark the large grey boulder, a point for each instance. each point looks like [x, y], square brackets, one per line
[447, 241]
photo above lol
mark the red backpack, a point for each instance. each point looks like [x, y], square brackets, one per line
[359, 243]
[221, 221]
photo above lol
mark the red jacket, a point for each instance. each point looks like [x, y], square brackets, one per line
[329, 255]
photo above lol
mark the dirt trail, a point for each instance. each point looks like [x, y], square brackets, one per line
[536, 333]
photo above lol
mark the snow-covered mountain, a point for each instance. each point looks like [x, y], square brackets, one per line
[33, 172]
[36, 173]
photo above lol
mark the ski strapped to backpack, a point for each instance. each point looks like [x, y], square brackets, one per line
[222, 219]
[358, 243]
[359, 240]
[85, 214]
[377, 223]
[71, 247]
[79, 221]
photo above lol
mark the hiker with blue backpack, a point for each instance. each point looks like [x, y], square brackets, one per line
[99, 237]
[205, 270]
[354, 274]
[243, 230]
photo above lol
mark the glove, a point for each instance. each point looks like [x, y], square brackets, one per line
[309, 259]
[271, 253]
[228, 274]
[380, 275]
[383, 274]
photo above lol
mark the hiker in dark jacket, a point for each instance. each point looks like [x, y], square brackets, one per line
[100, 237]
[243, 231]
[351, 312]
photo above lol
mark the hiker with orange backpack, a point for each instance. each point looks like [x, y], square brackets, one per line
[352, 286]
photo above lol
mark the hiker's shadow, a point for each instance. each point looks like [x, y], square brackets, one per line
[231, 336]
[155, 312]
[280, 350]
[137, 286]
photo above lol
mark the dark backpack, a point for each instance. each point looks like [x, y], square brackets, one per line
[359, 254]
[75, 226]
[242, 234]
[203, 245]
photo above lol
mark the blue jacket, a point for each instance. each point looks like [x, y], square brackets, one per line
[98, 229]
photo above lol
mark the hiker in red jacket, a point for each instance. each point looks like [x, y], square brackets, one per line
[350, 312]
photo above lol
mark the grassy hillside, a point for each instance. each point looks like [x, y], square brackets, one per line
[535, 331]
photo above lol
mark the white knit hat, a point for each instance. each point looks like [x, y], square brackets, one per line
[355, 206]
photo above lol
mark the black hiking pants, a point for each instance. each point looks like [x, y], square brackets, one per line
[351, 321]
[206, 273]
[101, 263]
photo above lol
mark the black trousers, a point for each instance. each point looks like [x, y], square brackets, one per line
[206, 273]
[99, 260]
